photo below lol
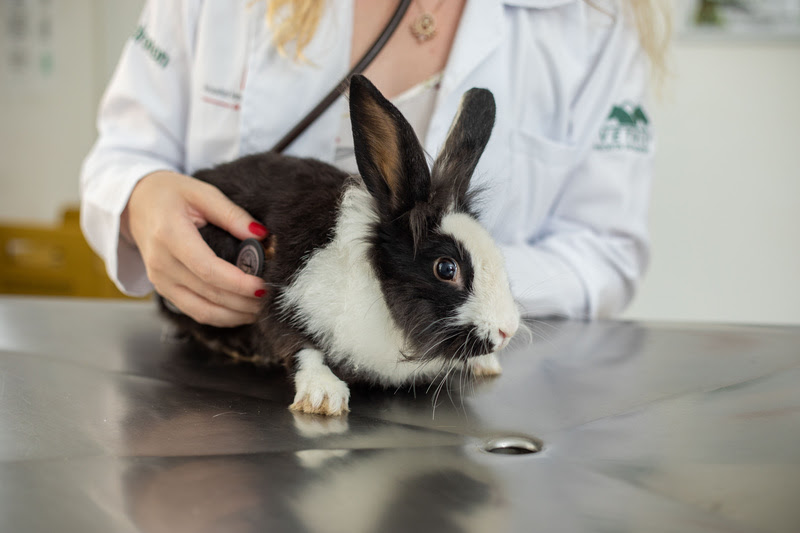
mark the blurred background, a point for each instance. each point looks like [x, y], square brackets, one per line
[725, 215]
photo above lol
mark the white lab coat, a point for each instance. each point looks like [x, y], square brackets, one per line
[567, 186]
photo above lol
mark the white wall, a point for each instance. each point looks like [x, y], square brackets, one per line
[48, 119]
[118, 20]
[46, 123]
[726, 200]
[725, 216]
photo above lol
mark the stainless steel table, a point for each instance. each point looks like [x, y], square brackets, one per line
[643, 427]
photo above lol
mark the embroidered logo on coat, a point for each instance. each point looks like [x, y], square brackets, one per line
[626, 128]
[141, 38]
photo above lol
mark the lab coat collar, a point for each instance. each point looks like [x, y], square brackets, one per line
[483, 18]
[478, 18]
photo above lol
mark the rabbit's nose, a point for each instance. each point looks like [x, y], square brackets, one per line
[505, 337]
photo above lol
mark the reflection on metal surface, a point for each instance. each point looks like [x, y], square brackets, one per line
[334, 482]
[655, 428]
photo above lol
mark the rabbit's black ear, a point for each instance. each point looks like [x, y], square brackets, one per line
[389, 156]
[465, 142]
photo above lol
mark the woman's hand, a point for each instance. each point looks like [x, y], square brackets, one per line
[163, 214]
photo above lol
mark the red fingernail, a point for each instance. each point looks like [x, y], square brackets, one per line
[260, 293]
[257, 229]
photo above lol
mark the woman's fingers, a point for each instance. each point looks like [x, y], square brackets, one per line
[206, 312]
[195, 254]
[179, 275]
[217, 209]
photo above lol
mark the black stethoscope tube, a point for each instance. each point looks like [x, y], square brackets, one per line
[342, 86]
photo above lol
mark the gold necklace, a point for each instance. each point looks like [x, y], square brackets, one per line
[424, 26]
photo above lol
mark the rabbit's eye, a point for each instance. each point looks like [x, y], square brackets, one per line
[446, 269]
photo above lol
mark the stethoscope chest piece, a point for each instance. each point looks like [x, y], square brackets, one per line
[250, 258]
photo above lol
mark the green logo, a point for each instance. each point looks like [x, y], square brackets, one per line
[625, 128]
[158, 55]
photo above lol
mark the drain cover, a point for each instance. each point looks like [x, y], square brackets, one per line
[512, 445]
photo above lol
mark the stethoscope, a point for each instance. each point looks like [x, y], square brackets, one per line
[342, 86]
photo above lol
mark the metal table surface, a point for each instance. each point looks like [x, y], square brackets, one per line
[645, 427]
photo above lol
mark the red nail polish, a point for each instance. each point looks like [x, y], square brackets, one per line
[260, 293]
[257, 229]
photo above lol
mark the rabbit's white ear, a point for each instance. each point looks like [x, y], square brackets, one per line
[389, 156]
[465, 142]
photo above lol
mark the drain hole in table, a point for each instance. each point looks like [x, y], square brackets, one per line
[513, 445]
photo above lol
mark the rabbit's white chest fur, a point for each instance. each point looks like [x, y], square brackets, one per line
[338, 298]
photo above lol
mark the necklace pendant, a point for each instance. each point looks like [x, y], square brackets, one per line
[424, 27]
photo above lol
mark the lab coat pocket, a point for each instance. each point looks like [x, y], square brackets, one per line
[540, 167]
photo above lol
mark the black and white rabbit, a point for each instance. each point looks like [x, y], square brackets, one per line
[386, 277]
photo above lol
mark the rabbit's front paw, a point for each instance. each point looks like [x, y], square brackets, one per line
[485, 365]
[319, 391]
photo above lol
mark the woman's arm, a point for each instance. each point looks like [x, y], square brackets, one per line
[137, 209]
[587, 259]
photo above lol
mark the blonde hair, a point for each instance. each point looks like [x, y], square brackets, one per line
[653, 20]
[294, 23]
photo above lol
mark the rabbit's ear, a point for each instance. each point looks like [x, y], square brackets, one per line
[389, 156]
[465, 142]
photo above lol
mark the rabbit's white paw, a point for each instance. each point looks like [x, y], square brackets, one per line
[319, 391]
[485, 365]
